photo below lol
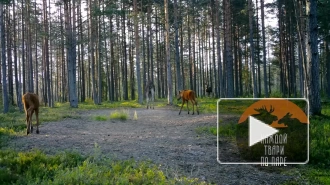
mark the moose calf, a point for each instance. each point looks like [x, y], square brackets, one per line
[188, 95]
[31, 105]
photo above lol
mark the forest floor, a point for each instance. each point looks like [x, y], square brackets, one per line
[160, 135]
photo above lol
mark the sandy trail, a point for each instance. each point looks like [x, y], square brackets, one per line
[159, 135]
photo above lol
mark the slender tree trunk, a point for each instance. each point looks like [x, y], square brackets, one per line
[71, 55]
[46, 52]
[151, 49]
[257, 47]
[217, 28]
[177, 57]
[17, 82]
[29, 46]
[9, 56]
[327, 53]
[255, 93]
[313, 59]
[23, 48]
[125, 85]
[229, 56]
[5, 99]
[137, 52]
[168, 61]
[82, 55]
[264, 47]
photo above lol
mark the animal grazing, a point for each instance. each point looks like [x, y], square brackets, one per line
[265, 115]
[187, 95]
[208, 90]
[150, 94]
[31, 105]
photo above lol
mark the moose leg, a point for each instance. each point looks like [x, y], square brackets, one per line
[181, 106]
[153, 104]
[27, 123]
[29, 120]
[197, 108]
[37, 118]
[153, 99]
[187, 106]
[193, 103]
[30, 111]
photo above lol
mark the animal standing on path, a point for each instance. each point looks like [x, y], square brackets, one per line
[150, 94]
[187, 95]
[31, 105]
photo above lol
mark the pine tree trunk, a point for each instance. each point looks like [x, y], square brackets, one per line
[71, 55]
[168, 62]
[17, 83]
[3, 60]
[137, 52]
[220, 85]
[264, 47]
[255, 92]
[313, 59]
[229, 56]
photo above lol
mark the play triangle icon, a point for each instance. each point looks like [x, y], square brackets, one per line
[258, 131]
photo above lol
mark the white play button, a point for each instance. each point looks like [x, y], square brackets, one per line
[258, 130]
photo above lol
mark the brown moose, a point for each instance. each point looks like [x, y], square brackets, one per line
[188, 95]
[31, 105]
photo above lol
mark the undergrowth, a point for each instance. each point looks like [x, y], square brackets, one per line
[119, 114]
[35, 167]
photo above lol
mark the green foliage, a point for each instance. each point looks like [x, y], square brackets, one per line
[320, 140]
[89, 104]
[207, 130]
[36, 167]
[121, 114]
[318, 175]
[205, 105]
[234, 106]
[100, 118]
[228, 129]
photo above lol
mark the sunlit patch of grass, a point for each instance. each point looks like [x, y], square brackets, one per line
[35, 167]
[206, 130]
[100, 118]
[119, 114]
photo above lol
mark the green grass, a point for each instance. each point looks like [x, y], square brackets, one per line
[205, 105]
[100, 118]
[35, 167]
[121, 115]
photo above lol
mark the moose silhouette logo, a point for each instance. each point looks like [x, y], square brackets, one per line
[289, 145]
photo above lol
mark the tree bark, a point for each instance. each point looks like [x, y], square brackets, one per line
[5, 99]
[71, 55]
[168, 62]
[255, 93]
[137, 52]
[313, 59]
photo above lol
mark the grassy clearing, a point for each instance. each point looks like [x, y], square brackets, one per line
[100, 118]
[121, 115]
[35, 167]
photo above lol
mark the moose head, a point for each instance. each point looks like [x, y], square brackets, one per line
[265, 115]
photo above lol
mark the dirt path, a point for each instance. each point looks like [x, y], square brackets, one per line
[160, 135]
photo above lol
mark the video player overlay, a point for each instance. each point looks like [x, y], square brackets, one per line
[270, 131]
